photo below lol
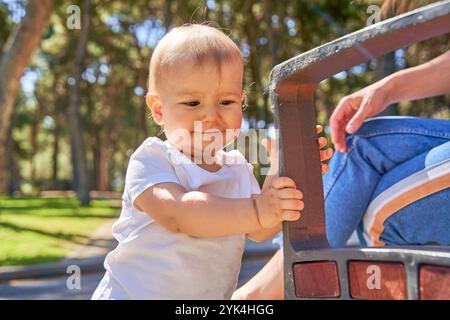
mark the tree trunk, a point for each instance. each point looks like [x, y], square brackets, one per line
[34, 132]
[55, 167]
[79, 161]
[385, 66]
[254, 63]
[16, 54]
[168, 15]
[57, 116]
[12, 176]
[274, 58]
[219, 4]
[271, 33]
[103, 175]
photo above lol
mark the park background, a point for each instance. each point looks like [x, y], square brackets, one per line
[72, 100]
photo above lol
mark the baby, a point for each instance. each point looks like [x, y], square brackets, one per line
[187, 207]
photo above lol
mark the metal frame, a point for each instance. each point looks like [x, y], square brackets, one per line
[292, 87]
[411, 258]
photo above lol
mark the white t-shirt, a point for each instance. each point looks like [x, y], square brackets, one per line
[151, 262]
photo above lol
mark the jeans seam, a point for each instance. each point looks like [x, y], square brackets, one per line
[408, 131]
[339, 170]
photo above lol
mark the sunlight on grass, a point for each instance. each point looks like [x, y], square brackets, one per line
[36, 230]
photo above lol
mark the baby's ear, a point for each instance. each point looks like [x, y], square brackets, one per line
[244, 100]
[154, 103]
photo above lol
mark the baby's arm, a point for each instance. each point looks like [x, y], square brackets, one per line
[264, 234]
[201, 214]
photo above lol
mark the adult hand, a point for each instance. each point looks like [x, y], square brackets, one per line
[353, 109]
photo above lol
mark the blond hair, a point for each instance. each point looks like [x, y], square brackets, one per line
[198, 43]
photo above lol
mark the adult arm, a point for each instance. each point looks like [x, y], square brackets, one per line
[426, 80]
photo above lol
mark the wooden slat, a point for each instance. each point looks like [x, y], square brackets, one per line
[434, 283]
[316, 280]
[377, 280]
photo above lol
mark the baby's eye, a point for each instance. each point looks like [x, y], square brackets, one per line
[191, 103]
[227, 102]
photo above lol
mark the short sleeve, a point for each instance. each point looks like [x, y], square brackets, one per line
[149, 165]
[254, 185]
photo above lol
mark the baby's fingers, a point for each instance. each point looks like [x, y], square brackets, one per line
[283, 182]
[319, 128]
[290, 193]
[292, 204]
[322, 142]
[290, 215]
[326, 154]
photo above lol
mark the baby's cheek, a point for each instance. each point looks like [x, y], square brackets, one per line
[233, 126]
[236, 120]
[178, 136]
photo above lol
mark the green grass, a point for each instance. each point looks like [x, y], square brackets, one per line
[38, 230]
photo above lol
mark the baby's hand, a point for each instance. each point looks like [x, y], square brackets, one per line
[324, 154]
[281, 201]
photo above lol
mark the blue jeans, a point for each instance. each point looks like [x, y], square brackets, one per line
[383, 152]
[380, 156]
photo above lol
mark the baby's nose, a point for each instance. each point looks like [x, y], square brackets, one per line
[210, 113]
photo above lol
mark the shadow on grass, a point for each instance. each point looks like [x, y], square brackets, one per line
[75, 238]
[11, 202]
[23, 261]
[36, 207]
[23, 211]
[55, 206]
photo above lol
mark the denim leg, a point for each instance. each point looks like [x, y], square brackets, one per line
[380, 145]
[426, 221]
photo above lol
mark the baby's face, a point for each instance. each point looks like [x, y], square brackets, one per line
[199, 103]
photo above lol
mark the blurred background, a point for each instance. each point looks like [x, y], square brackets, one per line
[73, 79]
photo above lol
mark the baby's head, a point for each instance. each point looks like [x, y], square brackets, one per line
[195, 87]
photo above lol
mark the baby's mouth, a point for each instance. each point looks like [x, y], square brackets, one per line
[209, 132]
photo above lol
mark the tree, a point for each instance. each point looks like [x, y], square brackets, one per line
[79, 161]
[17, 52]
[109, 64]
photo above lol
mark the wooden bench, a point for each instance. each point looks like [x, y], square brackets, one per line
[312, 269]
